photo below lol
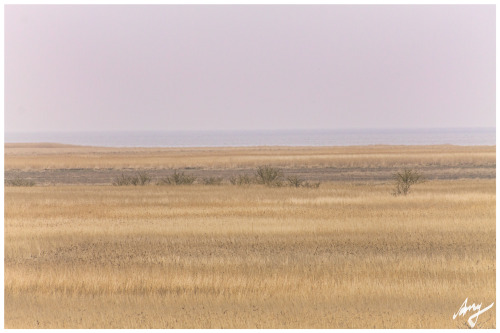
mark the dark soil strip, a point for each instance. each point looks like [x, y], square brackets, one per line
[106, 176]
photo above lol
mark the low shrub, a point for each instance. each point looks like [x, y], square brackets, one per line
[241, 180]
[19, 182]
[212, 181]
[122, 180]
[311, 185]
[269, 176]
[295, 181]
[404, 180]
[141, 179]
[178, 178]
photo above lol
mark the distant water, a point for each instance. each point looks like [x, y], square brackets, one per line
[465, 137]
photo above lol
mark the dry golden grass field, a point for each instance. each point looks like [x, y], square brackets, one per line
[55, 156]
[345, 255]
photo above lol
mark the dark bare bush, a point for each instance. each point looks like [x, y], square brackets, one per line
[242, 180]
[311, 185]
[213, 181]
[134, 181]
[404, 180]
[163, 181]
[269, 176]
[141, 179]
[122, 180]
[19, 182]
[295, 181]
[178, 178]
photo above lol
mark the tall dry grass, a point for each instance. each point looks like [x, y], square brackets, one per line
[341, 256]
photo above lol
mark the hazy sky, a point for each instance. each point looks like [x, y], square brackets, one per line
[173, 67]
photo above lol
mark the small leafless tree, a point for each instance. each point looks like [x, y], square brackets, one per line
[213, 181]
[177, 178]
[295, 181]
[141, 179]
[405, 180]
[241, 180]
[269, 176]
[311, 185]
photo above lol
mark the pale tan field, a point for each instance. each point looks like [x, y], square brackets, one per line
[54, 156]
[346, 255]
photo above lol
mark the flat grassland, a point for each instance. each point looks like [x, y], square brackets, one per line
[345, 255]
[56, 156]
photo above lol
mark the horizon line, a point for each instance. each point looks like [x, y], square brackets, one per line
[256, 130]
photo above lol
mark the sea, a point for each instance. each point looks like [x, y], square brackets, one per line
[457, 136]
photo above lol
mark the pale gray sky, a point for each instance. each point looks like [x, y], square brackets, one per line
[173, 67]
